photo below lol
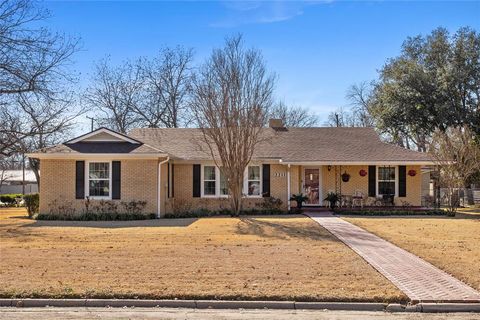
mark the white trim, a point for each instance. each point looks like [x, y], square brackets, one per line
[103, 130]
[87, 180]
[245, 182]
[358, 163]
[320, 189]
[288, 187]
[159, 187]
[86, 156]
[377, 180]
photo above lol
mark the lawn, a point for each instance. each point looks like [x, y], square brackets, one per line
[247, 258]
[452, 244]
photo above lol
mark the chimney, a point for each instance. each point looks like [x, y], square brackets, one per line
[276, 124]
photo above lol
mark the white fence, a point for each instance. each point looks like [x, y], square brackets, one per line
[17, 188]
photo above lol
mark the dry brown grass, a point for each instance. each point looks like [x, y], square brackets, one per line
[452, 244]
[248, 258]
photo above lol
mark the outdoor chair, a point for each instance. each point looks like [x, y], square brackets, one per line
[358, 199]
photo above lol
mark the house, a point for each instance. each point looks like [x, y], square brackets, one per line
[169, 168]
[16, 181]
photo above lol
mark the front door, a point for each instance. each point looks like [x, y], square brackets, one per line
[311, 186]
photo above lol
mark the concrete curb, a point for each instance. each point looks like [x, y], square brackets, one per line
[226, 304]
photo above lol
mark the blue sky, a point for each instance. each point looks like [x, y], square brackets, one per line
[317, 49]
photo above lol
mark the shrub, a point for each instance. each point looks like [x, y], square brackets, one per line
[10, 199]
[393, 212]
[32, 202]
[271, 204]
[133, 207]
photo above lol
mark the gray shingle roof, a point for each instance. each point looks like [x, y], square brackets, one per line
[292, 145]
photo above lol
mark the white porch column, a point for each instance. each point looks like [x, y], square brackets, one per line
[288, 186]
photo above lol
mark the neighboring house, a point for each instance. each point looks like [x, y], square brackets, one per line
[11, 181]
[170, 168]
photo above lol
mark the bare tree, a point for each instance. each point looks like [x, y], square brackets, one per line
[115, 92]
[293, 116]
[232, 95]
[167, 81]
[457, 155]
[32, 60]
[47, 122]
[360, 96]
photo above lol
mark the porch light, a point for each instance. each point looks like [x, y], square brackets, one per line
[329, 168]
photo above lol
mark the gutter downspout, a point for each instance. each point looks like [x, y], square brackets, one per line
[288, 186]
[159, 185]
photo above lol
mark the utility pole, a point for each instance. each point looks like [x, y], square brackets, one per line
[91, 119]
[336, 119]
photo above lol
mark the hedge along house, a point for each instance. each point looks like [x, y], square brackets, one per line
[171, 170]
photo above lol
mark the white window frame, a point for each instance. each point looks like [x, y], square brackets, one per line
[87, 180]
[378, 180]
[245, 182]
[217, 182]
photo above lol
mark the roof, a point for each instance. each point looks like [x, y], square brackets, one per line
[294, 145]
[101, 142]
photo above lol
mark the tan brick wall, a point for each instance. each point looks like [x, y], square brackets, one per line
[183, 196]
[139, 182]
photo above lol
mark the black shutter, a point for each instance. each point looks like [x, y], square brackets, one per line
[402, 181]
[266, 180]
[173, 180]
[80, 180]
[372, 181]
[196, 180]
[116, 179]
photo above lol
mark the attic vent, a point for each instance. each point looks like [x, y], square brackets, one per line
[276, 124]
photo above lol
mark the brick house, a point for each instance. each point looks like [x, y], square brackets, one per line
[170, 167]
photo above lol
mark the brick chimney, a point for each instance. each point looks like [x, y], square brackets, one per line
[276, 124]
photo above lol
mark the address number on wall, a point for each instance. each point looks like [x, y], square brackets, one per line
[280, 174]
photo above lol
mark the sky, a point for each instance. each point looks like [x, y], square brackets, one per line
[316, 49]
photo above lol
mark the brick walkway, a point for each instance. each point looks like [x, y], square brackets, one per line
[418, 279]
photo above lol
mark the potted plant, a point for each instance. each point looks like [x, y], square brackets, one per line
[299, 198]
[333, 198]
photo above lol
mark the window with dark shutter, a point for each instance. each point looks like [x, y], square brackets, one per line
[116, 179]
[266, 180]
[372, 181]
[173, 180]
[196, 180]
[80, 180]
[402, 181]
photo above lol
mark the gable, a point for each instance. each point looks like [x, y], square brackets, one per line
[103, 135]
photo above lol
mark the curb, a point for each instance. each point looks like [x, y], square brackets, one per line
[226, 304]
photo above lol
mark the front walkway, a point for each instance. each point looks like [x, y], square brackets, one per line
[418, 279]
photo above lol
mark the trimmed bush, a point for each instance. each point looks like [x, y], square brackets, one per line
[32, 202]
[10, 199]
[203, 213]
[94, 216]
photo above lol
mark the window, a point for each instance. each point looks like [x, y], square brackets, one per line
[99, 179]
[209, 181]
[223, 184]
[386, 180]
[253, 181]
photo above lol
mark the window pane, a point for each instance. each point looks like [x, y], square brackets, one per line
[386, 187]
[209, 188]
[223, 185]
[208, 173]
[99, 188]
[98, 170]
[254, 173]
[386, 173]
[253, 188]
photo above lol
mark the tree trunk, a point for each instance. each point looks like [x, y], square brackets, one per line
[35, 166]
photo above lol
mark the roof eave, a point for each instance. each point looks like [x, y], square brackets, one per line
[81, 156]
